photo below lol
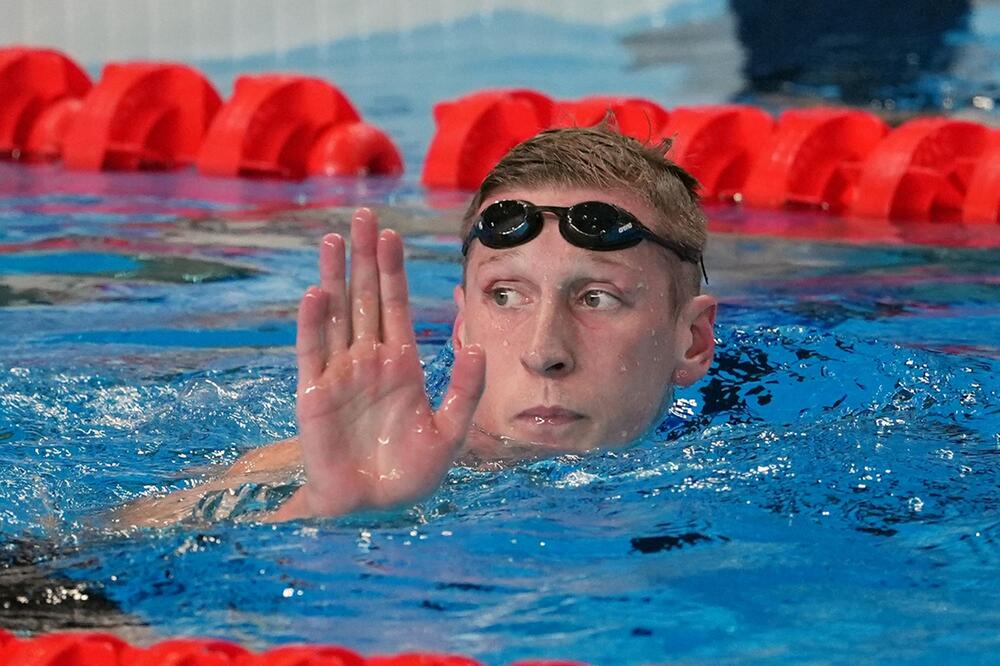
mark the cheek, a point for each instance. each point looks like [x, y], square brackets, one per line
[647, 350]
[640, 367]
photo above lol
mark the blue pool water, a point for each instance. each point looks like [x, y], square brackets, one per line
[830, 492]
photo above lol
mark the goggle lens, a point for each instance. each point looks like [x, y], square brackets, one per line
[599, 225]
[593, 225]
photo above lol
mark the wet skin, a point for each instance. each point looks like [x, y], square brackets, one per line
[557, 349]
[581, 346]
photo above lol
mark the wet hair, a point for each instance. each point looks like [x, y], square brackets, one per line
[601, 157]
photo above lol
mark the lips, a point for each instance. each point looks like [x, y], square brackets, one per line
[542, 416]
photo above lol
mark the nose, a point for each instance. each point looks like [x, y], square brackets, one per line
[550, 351]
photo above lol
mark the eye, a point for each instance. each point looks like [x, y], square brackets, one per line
[506, 297]
[598, 299]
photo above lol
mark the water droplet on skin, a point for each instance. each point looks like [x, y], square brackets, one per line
[309, 389]
[386, 362]
[384, 440]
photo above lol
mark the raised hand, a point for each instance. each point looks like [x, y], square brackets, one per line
[367, 434]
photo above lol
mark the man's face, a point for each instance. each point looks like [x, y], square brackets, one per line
[581, 346]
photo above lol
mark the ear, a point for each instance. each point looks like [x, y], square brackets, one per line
[696, 338]
[458, 328]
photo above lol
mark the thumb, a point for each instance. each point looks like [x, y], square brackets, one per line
[468, 379]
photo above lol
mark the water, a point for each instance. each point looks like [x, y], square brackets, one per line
[830, 493]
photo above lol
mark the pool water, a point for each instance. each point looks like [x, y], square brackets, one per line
[831, 488]
[828, 493]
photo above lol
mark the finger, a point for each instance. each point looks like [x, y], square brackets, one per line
[468, 378]
[397, 326]
[309, 344]
[364, 276]
[332, 264]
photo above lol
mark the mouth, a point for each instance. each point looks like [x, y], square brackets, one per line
[544, 417]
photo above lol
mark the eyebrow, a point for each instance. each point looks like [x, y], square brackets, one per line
[511, 253]
[599, 258]
[514, 253]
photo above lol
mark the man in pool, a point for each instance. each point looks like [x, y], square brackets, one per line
[578, 312]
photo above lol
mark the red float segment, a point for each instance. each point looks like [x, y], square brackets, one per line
[48, 136]
[542, 105]
[422, 659]
[186, 652]
[32, 81]
[64, 649]
[812, 158]
[354, 149]
[920, 170]
[474, 132]
[718, 144]
[141, 116]
[982, 199]
[306, 655]
[102, 649]
[634, 116]
[270, 125]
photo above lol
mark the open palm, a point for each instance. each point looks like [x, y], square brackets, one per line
[368, 436]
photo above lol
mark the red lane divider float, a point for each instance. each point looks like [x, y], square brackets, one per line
[475, 132]
[717, 144]
[634, 116]
[813, 158]
[836, 159]
[982, 199]
[920, 170]
[151, 116]
[102, 649]
[39, 90]
[141, 116]
[162, 115]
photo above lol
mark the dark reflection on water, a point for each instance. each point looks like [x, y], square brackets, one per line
[898, 56]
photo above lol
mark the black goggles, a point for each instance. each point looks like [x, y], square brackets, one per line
[592, 225]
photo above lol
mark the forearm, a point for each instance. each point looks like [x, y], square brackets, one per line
[272, 464]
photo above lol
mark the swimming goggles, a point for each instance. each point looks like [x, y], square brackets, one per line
[592, 225]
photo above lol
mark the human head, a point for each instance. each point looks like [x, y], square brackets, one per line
[600, 157]
[582, 346]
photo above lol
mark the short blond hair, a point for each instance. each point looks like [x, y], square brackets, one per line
[603, 158]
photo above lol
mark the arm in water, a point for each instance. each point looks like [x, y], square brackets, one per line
[367, 434]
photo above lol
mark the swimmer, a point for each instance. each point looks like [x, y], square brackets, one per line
[578, 312]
